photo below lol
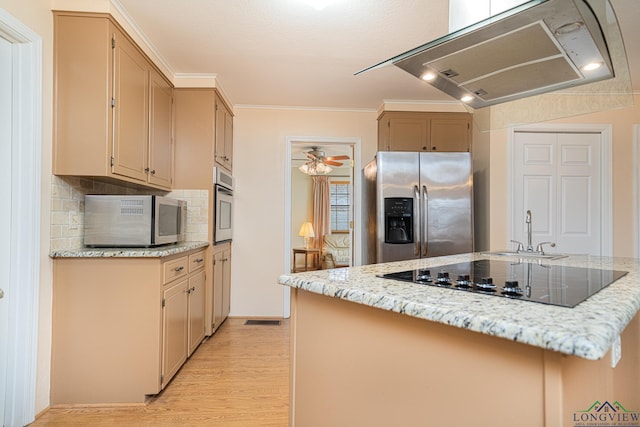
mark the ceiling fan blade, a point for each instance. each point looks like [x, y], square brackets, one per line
[337, 158]
[311, 156]
[332, 163]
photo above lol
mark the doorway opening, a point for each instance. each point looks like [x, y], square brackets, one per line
[344, 184]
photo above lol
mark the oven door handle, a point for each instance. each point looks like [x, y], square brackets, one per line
[223, 190]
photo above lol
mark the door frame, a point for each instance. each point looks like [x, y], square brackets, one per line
[606, 179]
[26, 143]
[356, 143]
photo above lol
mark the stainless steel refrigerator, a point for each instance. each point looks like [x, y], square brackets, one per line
[417, 205]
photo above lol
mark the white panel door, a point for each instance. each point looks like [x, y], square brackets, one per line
[5, 214]
[557, 178]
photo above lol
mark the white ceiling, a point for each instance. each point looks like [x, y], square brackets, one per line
[285, 53]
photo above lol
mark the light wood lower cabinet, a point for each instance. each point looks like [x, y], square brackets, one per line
[175, 324]
[122, 327]
[221, 284]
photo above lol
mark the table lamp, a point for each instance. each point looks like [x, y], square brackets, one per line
[306, 231]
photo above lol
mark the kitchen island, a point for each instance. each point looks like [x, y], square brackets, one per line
[369, 351]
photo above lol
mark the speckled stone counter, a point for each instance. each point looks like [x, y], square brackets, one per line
[587, 330]
[155, 252]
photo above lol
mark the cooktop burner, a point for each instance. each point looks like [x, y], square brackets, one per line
[548, 284]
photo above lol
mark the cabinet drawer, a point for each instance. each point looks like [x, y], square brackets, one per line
[196, 261]
[175, 268]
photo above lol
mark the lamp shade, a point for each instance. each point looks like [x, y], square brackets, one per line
[306, 230]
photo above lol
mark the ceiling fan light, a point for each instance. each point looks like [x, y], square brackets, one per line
[304, 168]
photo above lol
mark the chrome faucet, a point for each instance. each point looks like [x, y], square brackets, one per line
[529, 248]
[528, 221]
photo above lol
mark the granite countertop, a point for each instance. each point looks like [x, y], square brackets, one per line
[586, 330]
[155, 252]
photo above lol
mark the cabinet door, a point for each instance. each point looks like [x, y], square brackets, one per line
[450, 135]
[228, 140]
[226, 284]
[194, 111]
[218, 278]
[175, 329]
[131, 115]
[83, 62]
[196, 311]
[224, 136]
[160, 131]
[408, 134]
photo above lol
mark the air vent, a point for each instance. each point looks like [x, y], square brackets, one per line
[131, 207]
[262, 322]
[449, 73]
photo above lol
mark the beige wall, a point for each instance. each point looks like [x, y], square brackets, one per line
[259, 169]
[36, 14]
[622, 122]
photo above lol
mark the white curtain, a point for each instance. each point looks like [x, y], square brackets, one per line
[321, 209]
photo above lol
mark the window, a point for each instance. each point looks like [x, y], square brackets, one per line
[340, 205]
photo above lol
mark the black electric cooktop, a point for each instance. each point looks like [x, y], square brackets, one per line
[529, 281]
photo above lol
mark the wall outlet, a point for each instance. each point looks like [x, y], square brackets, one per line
[616, 351]
[74, 220]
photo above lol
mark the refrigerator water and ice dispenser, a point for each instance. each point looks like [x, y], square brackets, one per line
[398, 219]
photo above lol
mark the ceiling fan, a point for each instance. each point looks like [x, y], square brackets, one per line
[318, 163]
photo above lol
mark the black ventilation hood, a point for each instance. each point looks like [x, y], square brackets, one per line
[537, 47]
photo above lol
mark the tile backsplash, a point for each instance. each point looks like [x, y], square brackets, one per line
[67, 208]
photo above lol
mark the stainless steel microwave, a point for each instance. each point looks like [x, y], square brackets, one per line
[133, 221]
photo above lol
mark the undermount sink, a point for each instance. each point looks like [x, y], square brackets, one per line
[533, 255]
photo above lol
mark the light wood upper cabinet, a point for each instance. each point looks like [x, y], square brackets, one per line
[417, 131]
[224, 136]
[131, 109]
[112, 113]
[161, 148]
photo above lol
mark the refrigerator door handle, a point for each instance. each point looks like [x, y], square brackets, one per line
[425, 219]
[416, 220]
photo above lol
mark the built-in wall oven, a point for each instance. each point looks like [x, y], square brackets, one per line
[223, 189]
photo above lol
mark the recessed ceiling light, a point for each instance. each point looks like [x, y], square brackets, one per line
[466, 98]
[592, 66]
[428, 76]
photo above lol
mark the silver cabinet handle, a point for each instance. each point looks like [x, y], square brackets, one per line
[179, 268]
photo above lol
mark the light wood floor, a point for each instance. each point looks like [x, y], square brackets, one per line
[238, 377]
